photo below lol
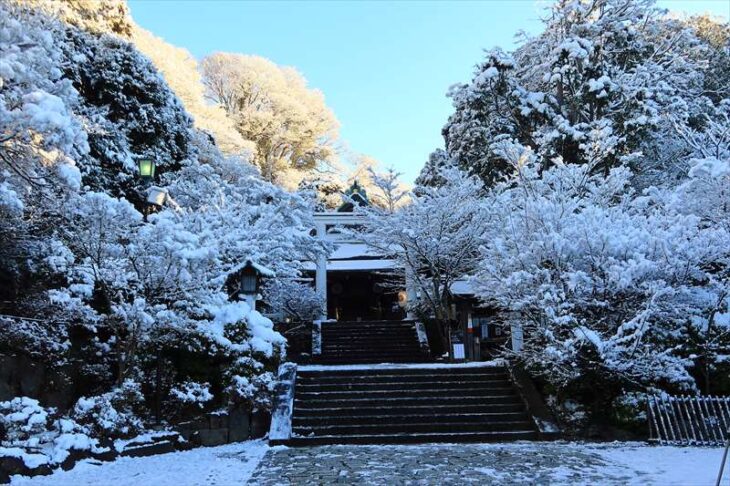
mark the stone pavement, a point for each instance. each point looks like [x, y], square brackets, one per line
[513, 463]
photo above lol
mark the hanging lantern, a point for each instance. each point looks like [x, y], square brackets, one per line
[146, 168]
[402, 299]
[249, 279]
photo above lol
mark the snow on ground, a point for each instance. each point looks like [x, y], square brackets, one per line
[222, 466]
[558, 463]
[666, 465]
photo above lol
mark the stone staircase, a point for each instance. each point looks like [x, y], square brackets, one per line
[370, 342]
[372, 384]
[404, 404]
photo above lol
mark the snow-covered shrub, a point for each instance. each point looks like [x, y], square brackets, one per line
[191, 393]
[249, 375]
[630, 410]
[22, 418]
[572, 415]
[44, 340]
[40, 435]
[249, 389]
[112, 415]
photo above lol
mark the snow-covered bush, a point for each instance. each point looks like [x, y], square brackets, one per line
[251, 390]
[197, 394]
[39, 435]
[22, 418]
[113, 415]
[629, 410]
[571, 414]
[44, 340]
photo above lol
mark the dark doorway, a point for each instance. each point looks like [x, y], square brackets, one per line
[361, 296]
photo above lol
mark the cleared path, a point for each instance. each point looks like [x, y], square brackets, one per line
[487, 464]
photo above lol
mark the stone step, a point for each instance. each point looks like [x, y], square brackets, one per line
[365, 329]
[375, 336]
[409, 379]
[412, 427]
[369, 323]
[368, 357]
[405, 393]
[356, 329]
[346, 337]
[365, 353]
[410, 418]
[402, 386]
[320, 401]
[386, 346]
[373, 345]
[303, 409]
[420, 371]
[364, 361]
[369, 354]
[415, 438]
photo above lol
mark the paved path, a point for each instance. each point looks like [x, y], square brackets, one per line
[520, 463]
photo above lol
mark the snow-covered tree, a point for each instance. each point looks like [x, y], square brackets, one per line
[134, 302]
[182, 73]
[294, 299]
[435, 237]
[388, 190]
[41, 137]
[96, 16]
[130, 112]
[607, 284]
[595, 87]
[290, 124]
[42, 141]
[430, 174]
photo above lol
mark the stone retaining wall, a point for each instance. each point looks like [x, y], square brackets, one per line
[224, 427]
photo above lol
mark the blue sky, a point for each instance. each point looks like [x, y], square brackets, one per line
[384, 67]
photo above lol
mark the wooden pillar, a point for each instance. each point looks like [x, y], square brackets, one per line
[515, 326]
[320, 280]
[411, 295]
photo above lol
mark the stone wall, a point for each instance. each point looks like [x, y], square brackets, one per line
[21, 376]
[224, 427]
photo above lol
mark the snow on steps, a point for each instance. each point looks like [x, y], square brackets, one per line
[401, 403]
[366, 342]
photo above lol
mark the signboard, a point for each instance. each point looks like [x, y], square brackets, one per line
[459, 351]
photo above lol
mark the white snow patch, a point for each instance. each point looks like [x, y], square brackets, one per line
[224, 465]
